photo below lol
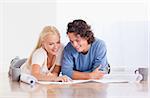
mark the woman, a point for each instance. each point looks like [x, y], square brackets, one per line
[44, 62]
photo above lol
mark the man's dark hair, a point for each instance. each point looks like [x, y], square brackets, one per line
[82, 28]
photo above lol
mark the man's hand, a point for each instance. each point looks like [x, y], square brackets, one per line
[96, 74]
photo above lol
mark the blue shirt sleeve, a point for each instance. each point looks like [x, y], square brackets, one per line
[100, 58]
[67, 62]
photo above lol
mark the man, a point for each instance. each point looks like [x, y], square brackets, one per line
[84, 56]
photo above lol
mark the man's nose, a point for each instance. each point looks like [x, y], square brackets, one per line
[75, 44]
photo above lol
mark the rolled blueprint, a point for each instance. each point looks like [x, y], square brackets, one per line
[27, 78]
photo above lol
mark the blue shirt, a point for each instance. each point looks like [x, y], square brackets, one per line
[74, 60]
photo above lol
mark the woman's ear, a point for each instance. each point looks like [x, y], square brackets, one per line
[43, 45]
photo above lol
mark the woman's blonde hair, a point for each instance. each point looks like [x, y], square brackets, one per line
[47, 30]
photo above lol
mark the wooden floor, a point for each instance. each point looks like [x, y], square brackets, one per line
[10, 89]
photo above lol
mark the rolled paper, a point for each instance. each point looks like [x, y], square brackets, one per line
[27, 78]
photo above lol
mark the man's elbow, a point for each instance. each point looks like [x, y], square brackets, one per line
[67, 73]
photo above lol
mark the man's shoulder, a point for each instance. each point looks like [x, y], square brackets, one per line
[98, 42]
[69, 46]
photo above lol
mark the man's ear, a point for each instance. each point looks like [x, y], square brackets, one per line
[78, 36]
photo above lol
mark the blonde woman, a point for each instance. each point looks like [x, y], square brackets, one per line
[44, 61]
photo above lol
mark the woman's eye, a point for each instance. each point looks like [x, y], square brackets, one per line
[50, 44]
[58, 42]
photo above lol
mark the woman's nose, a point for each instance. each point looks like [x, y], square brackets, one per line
[56, 46]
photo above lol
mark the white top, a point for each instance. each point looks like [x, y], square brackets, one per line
[40, 57]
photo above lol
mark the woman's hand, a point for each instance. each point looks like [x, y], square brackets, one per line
[63, 79]
[59, 78]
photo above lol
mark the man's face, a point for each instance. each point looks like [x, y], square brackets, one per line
[79, 43]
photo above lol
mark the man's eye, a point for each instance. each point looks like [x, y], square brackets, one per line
[77, 40]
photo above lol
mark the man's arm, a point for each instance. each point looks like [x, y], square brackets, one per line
[96, 74]
[80, 75]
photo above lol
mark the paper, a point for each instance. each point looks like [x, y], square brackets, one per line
[72, 82]
[116, 78]
[108, 78]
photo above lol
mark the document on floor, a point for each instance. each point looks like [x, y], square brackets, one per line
[121, 78]
[108, 78]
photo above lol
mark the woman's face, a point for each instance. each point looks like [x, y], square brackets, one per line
[51, 44]
[79, 43]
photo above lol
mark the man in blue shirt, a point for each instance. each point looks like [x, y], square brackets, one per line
[84, 56]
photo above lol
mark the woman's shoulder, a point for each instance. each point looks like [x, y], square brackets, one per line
[39, 56]
[40, 51]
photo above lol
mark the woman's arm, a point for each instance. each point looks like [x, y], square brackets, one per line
[48, 77]
[56, 70]
[40, 76]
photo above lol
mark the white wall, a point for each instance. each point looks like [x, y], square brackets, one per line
[122, 24]
[1, 35]
[148, 11]
[22, 23]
